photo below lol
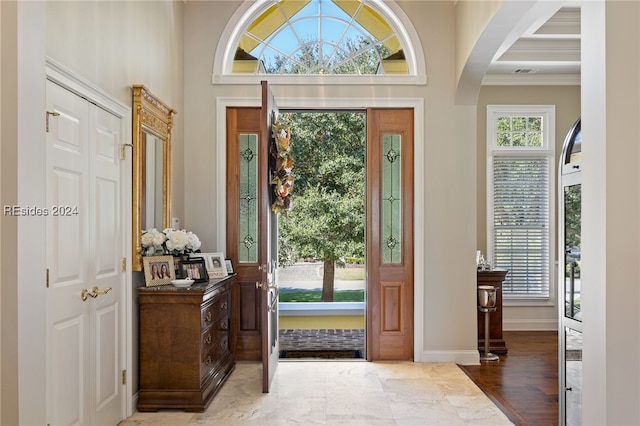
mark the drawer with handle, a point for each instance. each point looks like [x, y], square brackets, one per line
[218, 308]
[218, 329]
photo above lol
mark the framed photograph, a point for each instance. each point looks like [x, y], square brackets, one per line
[229, 265]
[158, 270]
[218, 265]
[194, 268]
[215, 264]
[206, 257]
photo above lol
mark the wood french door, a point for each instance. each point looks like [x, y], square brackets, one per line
[389, 231]
[84, 253]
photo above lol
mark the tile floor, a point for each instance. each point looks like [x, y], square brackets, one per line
[342, 393]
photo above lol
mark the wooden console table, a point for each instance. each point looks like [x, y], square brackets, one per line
[497, 345]
[185, 344]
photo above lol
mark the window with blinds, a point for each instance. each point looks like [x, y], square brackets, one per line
[521, 223]
[520, 198]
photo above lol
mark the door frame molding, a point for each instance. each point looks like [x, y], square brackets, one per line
[337, 103]
[71, 81]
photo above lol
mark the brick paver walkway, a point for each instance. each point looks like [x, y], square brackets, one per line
[325, 339]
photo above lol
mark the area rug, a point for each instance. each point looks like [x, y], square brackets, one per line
[321, 354]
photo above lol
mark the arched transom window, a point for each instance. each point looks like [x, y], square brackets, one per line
[316, 37]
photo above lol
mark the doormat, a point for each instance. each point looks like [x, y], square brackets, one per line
[323, 354]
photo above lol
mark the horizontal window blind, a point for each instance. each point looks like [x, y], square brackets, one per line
[521, 221]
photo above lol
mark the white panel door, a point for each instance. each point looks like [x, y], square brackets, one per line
[84, 251]
[105, 230]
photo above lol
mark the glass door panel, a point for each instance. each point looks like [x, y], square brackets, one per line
[572, 259]
[392, 198]
[248, 202]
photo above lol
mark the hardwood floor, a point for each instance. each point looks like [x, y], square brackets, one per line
[524, 382]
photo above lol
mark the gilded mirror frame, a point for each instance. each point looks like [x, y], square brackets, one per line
[150, 116]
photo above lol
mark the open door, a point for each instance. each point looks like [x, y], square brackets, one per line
[269, 305]
[570, 239]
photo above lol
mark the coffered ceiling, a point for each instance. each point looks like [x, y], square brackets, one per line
[545, 53]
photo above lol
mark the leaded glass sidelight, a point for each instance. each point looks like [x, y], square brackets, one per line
[248, 221]
[391, 199]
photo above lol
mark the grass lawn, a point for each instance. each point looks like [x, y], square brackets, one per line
[316, 296]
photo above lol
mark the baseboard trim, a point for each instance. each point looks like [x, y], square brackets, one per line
[469, 357]
[530, 325]
[134, 404]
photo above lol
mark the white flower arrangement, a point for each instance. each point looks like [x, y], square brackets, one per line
[170, 241]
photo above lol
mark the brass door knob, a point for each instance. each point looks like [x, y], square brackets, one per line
[85, 294]
[98, 291]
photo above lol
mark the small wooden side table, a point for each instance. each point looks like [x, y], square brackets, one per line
[497, 344]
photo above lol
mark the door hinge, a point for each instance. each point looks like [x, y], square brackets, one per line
[47, 278]
[123, 152]
[49, 114]
[123, 264]
[124, 377]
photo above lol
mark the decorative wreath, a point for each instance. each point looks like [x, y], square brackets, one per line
[282, 163]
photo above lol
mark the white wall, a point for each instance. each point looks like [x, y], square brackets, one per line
[115, 44]
[8, 229]
[112, 45]
[450, 156]
[611, 212]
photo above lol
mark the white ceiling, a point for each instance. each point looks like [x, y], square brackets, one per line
[546, 53]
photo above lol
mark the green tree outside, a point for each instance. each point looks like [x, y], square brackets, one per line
[327, 219]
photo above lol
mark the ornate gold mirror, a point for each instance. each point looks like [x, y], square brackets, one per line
[152, 121]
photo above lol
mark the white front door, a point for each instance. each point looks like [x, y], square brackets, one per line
[84, 359]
